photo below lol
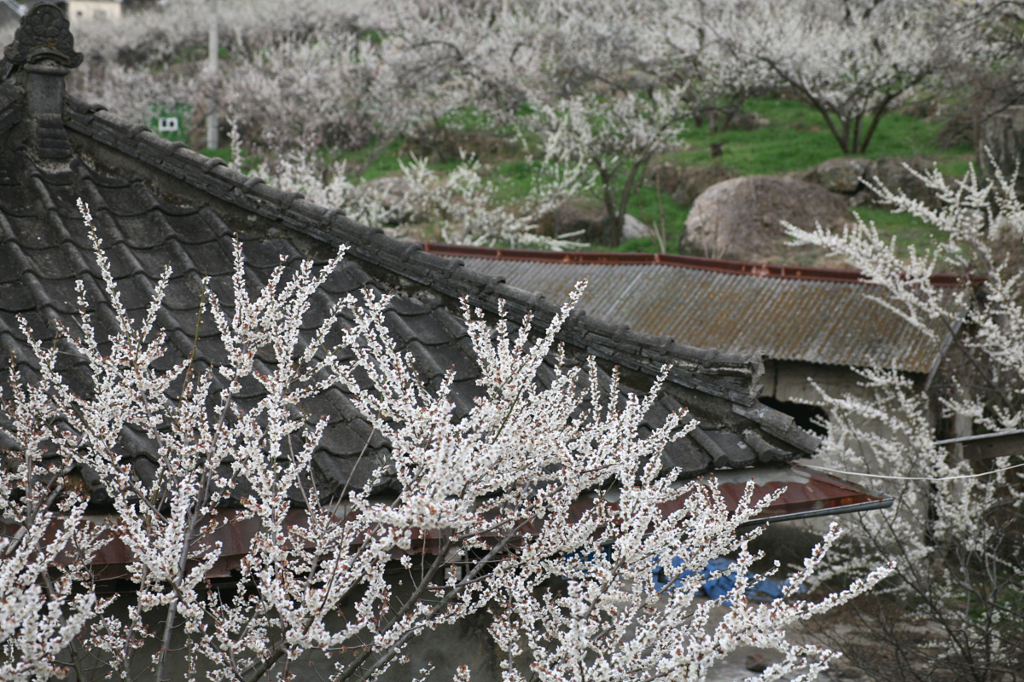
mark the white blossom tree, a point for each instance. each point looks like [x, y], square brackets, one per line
[541, 504]
[617, 138]
[593, 76]
[851, 60]
[954, 532]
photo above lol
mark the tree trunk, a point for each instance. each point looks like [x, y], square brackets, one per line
[613, 229]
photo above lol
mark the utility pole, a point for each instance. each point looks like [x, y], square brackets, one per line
[212, 124]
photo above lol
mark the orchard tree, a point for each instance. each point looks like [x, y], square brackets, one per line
[617, 137]
[852, 61]
[955, 534]
[497, 491]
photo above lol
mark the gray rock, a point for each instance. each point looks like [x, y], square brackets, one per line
[664, 176]
[842, 174]
[747, 120]
[741, 218]
[693, 181]
[632, 228]
[741, 120]
[575, 215]
[1003, 136]
[892, 172]
[685, 183]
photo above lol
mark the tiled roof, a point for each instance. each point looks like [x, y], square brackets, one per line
[784, 313]
[157, 203]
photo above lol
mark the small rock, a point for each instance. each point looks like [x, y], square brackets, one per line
[747, 120]
[741, 120]
[632, 228]
[842, 175]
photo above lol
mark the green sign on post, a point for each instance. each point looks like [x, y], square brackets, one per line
[171, 121]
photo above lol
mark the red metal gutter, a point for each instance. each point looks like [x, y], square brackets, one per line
[697, 263]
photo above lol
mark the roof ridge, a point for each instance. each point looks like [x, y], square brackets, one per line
[733, 377]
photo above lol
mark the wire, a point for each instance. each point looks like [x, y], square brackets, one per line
[916, 478]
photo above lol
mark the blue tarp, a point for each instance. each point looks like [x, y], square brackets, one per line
[714, 587]
[720, 585]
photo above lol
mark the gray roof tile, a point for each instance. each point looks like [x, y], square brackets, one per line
[127, 180]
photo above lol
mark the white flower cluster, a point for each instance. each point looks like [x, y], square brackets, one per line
[952, 522]
[541, 504]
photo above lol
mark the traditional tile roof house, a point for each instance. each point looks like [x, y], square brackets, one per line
[157, 203]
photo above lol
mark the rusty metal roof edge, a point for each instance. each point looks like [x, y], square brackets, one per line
[693, 262]
[884, 501]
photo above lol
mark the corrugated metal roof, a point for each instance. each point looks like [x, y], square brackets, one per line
[810, 316]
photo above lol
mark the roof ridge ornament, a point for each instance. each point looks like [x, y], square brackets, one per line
[41, 55]
[44, 33]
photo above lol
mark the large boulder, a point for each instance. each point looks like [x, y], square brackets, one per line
[741, 218]
[588, 216]
[846, 176]
[576, 215]
[664, 176]
[693, 181]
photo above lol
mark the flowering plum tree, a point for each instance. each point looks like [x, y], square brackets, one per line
[956, 531]
[616, 138]
[541, 505]
[851, 61]
[459, 205]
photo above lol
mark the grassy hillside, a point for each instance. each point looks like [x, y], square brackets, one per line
[796, 140]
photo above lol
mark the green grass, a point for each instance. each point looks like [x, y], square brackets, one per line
[644, 206]
[219, 153]
[387, 161]
[908, 230]
[797, 139]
